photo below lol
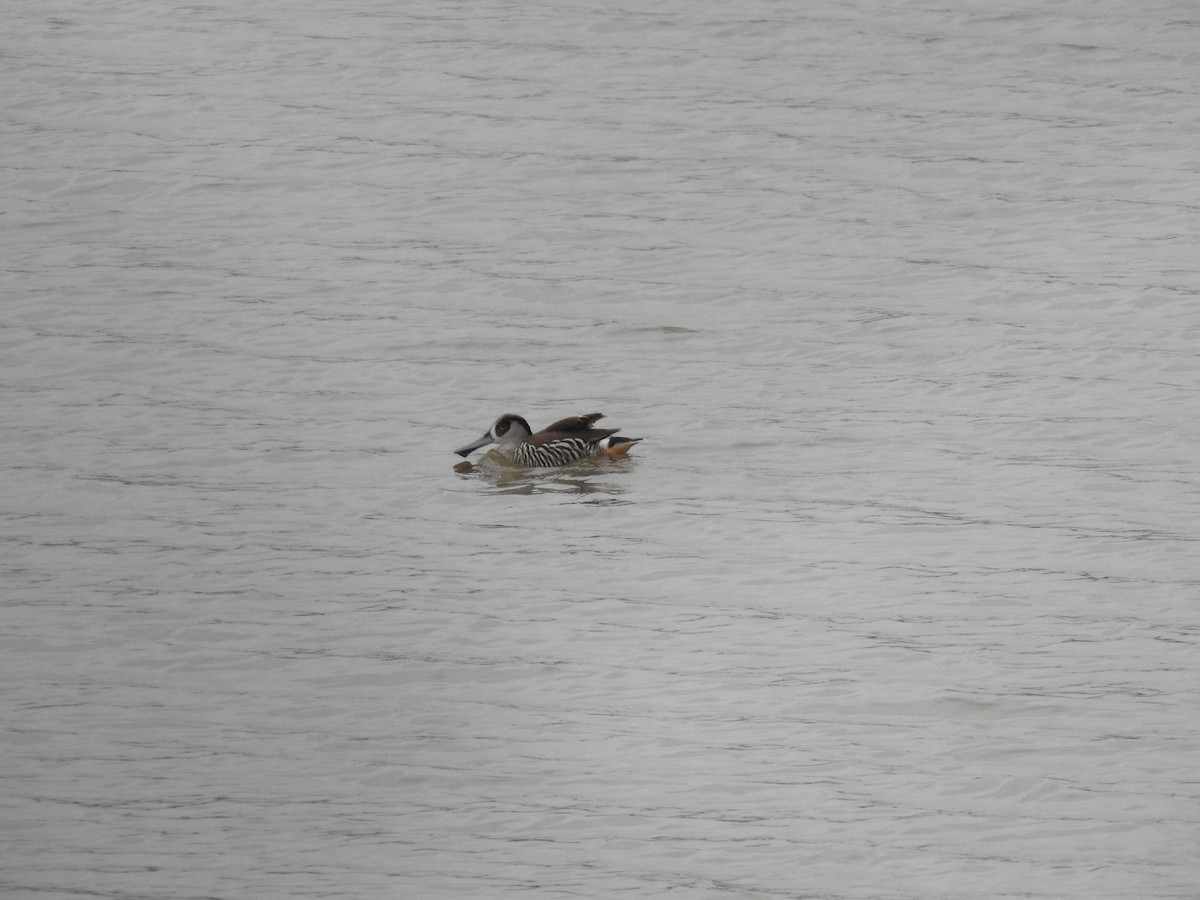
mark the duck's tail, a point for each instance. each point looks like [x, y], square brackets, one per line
[618, 447]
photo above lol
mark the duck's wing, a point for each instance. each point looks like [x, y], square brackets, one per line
[573, 425]
[576, 428]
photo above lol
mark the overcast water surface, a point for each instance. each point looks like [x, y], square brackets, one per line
[899, 597]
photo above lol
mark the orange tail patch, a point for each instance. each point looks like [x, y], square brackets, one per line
[621, 450]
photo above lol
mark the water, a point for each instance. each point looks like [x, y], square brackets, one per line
[898, 598]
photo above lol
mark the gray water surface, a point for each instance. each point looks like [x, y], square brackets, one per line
[899, 597]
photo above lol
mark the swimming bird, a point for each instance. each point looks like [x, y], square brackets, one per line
[566, 441]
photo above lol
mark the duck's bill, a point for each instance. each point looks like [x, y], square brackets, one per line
[482, 442]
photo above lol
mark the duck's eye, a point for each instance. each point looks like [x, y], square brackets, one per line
[501, 428]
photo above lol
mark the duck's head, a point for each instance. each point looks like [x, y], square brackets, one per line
[508, 431]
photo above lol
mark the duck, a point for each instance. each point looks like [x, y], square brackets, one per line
[562, 443]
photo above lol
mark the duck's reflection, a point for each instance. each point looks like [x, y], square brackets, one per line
[584, 477]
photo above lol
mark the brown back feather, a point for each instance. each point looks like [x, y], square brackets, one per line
[575, 424]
